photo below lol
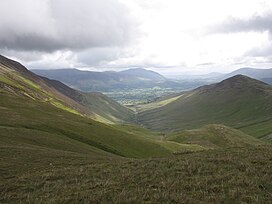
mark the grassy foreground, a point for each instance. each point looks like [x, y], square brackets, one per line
[234, 175]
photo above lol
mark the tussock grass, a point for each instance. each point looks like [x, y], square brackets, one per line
[233, 175]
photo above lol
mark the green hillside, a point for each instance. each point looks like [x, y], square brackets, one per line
[25, 123]
[15, 78]
[238, 102]
[214, 136]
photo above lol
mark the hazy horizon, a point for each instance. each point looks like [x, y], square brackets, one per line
[169, 37]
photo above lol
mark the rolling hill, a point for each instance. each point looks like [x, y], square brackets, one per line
[215, 136]
[239, 102]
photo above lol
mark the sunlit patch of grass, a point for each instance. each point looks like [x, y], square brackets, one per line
[102, 119]
[63, 107]
[156, 104]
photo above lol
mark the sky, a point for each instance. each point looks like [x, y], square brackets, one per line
[168, 36]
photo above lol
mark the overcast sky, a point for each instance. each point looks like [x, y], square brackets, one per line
[168, 36]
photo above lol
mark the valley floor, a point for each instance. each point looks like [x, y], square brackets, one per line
[240, 175]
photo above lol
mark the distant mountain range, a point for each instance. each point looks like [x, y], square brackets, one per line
[264, 75]
[260, 74]
[106, 81]
[137, 78]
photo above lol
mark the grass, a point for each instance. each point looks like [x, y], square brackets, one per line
[24, 115]
[63, 107]
[215, 136]
[258, 129]
[155, 104]
[234, 175]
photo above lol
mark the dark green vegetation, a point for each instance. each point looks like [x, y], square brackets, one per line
[238, 102]
[52, 151]
[234, 175]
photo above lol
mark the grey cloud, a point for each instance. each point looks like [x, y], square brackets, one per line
[50, 25]
[206, 64]
[265, 51]
[257, 23]
[98, 56]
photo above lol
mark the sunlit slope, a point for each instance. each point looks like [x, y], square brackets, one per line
[215, 136]
[239, 102]
[16, 79]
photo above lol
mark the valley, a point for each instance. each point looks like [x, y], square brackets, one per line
[59, 144]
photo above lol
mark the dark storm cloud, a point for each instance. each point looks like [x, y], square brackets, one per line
[256, 23]
[50, 25]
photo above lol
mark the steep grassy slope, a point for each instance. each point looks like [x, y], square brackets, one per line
[17, 79]
[215, 136]
[234, 175]
[239, 102]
